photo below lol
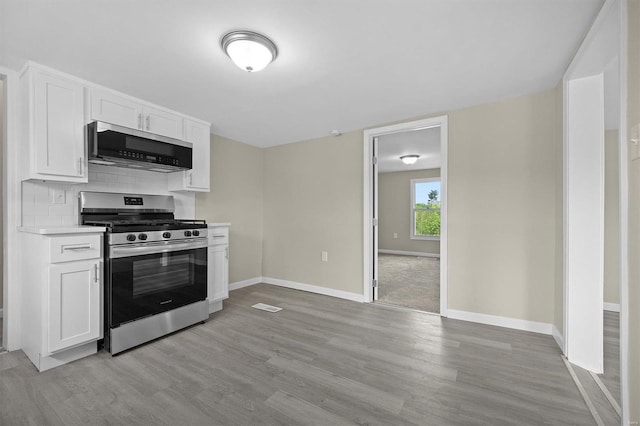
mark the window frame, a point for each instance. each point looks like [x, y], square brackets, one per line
[412, 209]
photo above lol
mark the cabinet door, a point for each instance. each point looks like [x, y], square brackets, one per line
[218, 273]
[162, 122]
[114, 109]
[58, 128]
[74, 304]
[196, 179]
[199, 135]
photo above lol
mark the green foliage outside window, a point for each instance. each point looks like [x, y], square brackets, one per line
[428, 219]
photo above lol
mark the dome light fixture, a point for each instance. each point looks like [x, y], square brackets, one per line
[409, 159]
[249, 50]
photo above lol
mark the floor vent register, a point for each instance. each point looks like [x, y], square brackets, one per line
[265, 307]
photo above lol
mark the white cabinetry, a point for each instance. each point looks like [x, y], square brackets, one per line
[73, 304]
[218, 266]
[62, 297]
[196, 179]
[124, 111]
[53, 125]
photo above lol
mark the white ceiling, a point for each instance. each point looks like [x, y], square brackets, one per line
[342, 65]
[425, 143]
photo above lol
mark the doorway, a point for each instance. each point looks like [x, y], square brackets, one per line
[409, 202]
[595, 223]
[432, 249]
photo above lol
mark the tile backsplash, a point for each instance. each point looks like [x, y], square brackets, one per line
[56, 204]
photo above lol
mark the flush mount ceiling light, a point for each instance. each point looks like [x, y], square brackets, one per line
[409, 159]
[250, 51]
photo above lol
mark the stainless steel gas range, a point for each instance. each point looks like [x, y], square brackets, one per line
[155, 267]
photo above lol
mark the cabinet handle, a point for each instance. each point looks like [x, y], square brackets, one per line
[226, 253]
[190, 178]
[80, 166]
[95, 273]
[75, 248]
[140, 121]
[148, 121]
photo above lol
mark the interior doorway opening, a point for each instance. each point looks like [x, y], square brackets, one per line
[405, 241]
[409, 216]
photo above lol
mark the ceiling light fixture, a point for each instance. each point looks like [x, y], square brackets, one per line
[409, 159]
[250, 51]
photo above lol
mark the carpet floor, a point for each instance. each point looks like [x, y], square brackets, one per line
[409, 281]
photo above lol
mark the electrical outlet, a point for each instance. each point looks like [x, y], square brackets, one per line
[57, 196]
[325, 256]
[395, 235]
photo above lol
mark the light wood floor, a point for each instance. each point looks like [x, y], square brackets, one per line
[321, 360]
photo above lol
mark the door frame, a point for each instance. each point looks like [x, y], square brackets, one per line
[369, 197]
[11, 212]
[585, 59]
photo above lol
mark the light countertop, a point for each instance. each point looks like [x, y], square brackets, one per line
[53, 230]
[218, 224]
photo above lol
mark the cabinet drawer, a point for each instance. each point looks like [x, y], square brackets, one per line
[218, 236]
[67, 249]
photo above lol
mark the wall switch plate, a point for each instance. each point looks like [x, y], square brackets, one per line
[395, 235]
[325, 256]
[57, 196]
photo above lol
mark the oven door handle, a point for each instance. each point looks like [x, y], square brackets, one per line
[116, 252]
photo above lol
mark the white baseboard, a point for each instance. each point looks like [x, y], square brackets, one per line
[314, 289]
[517, 324]
[245, 283]
[559, 338]
[613, 307]
[409, 253]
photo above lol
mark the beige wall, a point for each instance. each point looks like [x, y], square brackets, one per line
[502, 208]
[633, 118]
[394, 212]
[559, 218]
[611, 219]
[236, 197]
[313, 195]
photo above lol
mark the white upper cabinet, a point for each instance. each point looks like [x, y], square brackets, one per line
[196, 179]
[128, 112]
[55, 107]
[162, 122]
[53, 124]
[114, 109]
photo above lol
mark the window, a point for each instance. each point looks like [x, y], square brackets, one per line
[425, 209]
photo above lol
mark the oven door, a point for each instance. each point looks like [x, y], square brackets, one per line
[149, 278]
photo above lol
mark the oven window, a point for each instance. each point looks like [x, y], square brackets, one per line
[161, 273]
[139, 286]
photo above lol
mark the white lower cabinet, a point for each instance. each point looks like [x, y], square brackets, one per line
[62, 296]
[218, 266]
[73, 303]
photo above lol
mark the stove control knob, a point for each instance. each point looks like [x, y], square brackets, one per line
[166, 235]
[187, 233]
[195, 233]
[142, 237]
[131, 237]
